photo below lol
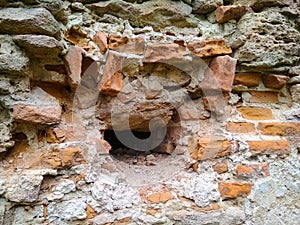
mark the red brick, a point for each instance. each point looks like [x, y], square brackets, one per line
[275, 81]
[209, 48]
[220, 74]
[280, 128]
[226, 13]
[247, 79]
[240, 127]
[211, 148]
[252, 113]
[269, 147]
[264, 97]
[251, 171]
[233, 190]
[100, 39]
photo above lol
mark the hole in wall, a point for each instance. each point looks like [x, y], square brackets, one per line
[125, 154]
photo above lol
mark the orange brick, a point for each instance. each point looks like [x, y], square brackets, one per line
[268, 147]
[221, 167]
[279, 128]
[234, 190]
[250, 171]
[247, 79]
[240, 127]
[264, 97]
[252, 113]
[160, 197]
[210, 148]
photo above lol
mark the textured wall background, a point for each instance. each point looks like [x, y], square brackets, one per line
[223, 76]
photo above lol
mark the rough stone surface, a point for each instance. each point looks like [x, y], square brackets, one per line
[203, 7]
[267, 40]
[23, 188]
[227, 153]
[28, 21]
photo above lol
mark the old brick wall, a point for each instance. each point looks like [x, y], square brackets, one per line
[222, 76]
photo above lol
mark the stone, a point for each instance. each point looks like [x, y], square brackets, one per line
[12, 59]
[240, 127]
[100, 39]
[220, 74]
[102, 146]
[279, 128]
[252, 171]
[28, 21]
[267, 41]
[263, 97]
[68, 155]
[256, 113]
[211, 148]
[221, 167]
[163, 52]
[294, 80]
[125, 44]
[158, 15]
[40, 46]
[204, 6]
[295, 92]
[247, 79]
[73, 64]
[41, 108]
[275, 81]
[258, 5]
[231, 190]
[226, 13]
[74, 209]
[209, 48]
[23, 188]
[65, 186]
[269, 147]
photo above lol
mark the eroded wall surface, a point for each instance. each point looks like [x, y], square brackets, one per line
[217, 83]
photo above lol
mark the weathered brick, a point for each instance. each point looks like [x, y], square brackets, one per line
[125, 44]
[232, 190]
[226, 13]
[240, 127]
[275, 81]
[111, 81]
[251, 171]
[247, 79]
[269, 147]
[279, 128]
[264, 97]
[253, 113]
[221, 167]
[164, 52]
[210, 148]
[220, 74]
[73, 63]
[100, 39]
[160, 197]
[209, 48]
